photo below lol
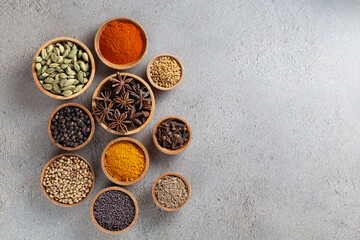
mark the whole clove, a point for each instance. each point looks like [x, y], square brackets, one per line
[172, 134]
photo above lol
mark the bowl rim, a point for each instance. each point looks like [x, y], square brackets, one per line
[117, 188]
[97, 43]
[92, 123]
[165, 150]
[136, 142]
[51, 161]
[152, 60]
[176, 175]
[97, 93]
[64, 39]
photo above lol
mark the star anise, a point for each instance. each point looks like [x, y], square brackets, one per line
[134, 117]
[146, 109]
[104, 96]
[124, 101]
[121, 83]
[119, 121]
[141, 98]
[104, 111]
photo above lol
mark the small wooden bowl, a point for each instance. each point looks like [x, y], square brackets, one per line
[64, 39]
[153, 60]
[117, 189]
[146, 161]
[43, 175]
[105, 82]
[165, 150]
[97, 44]
[91, 120]
[170, 174]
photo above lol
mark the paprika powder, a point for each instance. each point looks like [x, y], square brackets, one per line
[122, 42]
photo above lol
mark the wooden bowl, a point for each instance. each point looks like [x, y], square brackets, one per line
[165, 150]
[170, 174]
[43, 175]
[91, 120]
[117, 189]
[97, 44]
[91, 59]
[153, 60]
[146, 161]
[106, 82]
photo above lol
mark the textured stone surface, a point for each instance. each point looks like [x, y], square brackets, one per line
[271, 90]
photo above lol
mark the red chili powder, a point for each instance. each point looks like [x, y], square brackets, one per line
[122, 42]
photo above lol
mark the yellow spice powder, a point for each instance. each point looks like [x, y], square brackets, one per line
[124, 161]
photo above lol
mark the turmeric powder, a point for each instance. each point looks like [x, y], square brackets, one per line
[124, 161]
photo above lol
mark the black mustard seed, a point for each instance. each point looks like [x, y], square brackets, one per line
[70, 126]
[114, 210]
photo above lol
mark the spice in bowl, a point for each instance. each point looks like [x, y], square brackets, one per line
[122, 42]
[124, 161]
[63, 68]
[68, 180]
[114, 210]
[123, 105]
[165, 72]
[70, 126]
[171, 192]
[172, 134]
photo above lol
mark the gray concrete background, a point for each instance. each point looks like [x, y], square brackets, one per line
[271, 90]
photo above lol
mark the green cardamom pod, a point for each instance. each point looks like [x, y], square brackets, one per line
[67, 61]
[47, 86]
[50, 70]
[72, 73]
[67, 93]
[57, 77]
[71, 87]
[86, 80]
[59, 70]
[76, 67]
[52, 75]
[57, 51]
[48, 62]
[74, 47]
[44, 69]
[43, 53]
[80, 52]
[56, 82]
[74, 59]
[68, 70]
[49, 80]
[67, 51]
[54, 92]
[72, 54]
[64, 66]
[54, 65]
[63, 75]
[80, 77]
[53, 57]
[67, 47]
[82, 65]
[76, 82]
[71, 76]
[62, 82]
[87, 66]
[50, 48]
[41, 82]
[45, 75]
[38, 59]
[70, 43]
[43, 62]
[38, 66]
[85, 56]
[61, 48]
[78, 88]
[69, 82]
[60, 59]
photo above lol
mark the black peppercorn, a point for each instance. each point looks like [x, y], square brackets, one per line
[66, 126]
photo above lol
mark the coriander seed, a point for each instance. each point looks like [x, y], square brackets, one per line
[165, 72]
